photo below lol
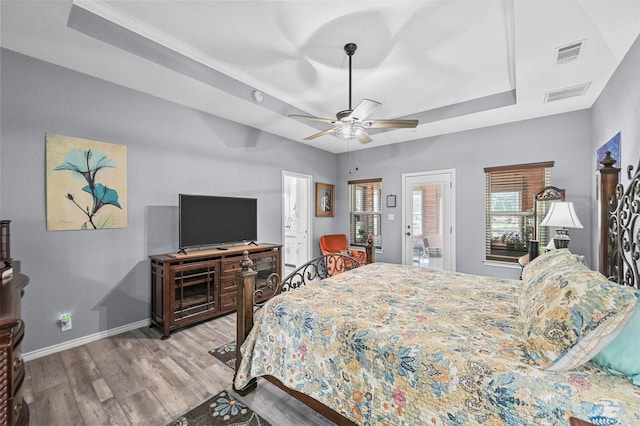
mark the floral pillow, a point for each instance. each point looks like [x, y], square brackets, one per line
[546, 263]
[570, 312]
[536, 271]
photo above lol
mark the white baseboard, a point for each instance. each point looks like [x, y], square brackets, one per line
[83, 340]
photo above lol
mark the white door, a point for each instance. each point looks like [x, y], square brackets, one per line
[428, 219]
[296, 216]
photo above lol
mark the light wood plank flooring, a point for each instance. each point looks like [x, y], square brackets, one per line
[135, 378]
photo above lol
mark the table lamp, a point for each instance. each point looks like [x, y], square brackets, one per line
[561, 214]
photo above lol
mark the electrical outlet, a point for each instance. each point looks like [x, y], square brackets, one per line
[65, 322]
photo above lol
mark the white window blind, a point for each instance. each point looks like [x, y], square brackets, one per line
[365, 212]
[510, 192]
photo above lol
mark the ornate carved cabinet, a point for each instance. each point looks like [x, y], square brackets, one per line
[13, 408]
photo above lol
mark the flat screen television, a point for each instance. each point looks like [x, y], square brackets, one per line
[206, 220]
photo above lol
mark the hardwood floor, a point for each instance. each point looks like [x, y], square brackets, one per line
[135, 378]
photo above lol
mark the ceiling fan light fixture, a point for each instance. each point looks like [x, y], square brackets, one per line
[349, 123]
[349, 131]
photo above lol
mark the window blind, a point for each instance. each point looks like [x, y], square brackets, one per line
[365, 212]
[510, 192]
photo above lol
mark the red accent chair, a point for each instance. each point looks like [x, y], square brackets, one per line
[338, 243]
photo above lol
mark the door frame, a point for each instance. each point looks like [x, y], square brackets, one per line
[451, 173]
[310, 209]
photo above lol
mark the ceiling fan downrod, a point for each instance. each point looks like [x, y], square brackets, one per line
[350, 48]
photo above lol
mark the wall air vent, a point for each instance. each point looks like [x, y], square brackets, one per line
[567, 92]
[568, 53]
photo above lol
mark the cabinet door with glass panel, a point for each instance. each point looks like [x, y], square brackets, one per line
[265, 264]
[194, 284]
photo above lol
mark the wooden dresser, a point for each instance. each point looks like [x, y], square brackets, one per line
[13, 408]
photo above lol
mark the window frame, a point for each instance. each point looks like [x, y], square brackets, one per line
[373, 214]
[506, 176]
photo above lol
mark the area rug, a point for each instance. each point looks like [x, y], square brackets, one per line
[224, 409]
[227, 354]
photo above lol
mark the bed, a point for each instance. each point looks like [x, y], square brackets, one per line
[392, 344]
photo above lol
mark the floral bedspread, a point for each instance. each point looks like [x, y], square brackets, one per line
[392, 344]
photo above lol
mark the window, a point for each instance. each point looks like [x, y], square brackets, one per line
[365, 213]
[510, 201]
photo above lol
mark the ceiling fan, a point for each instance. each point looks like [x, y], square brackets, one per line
[351, 123]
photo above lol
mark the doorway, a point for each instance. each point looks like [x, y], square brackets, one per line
[428, 219]
[296, 215]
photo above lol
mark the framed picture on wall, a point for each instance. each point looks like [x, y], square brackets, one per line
[324, 199]
[86, 184]
[391, 200]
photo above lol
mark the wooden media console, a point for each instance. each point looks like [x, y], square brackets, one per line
[200, 285]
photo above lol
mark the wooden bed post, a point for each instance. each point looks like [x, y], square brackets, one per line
[245, 286]
[370, 250]
[607, 185]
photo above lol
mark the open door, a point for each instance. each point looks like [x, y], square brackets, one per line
[297, 206]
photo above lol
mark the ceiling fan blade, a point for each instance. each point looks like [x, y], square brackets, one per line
[364, 138]
[387, 124]
[309, 117]
[364, 109]
[317, 135]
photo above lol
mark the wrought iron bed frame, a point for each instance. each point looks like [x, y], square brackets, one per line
[620, 211]
[619, 260]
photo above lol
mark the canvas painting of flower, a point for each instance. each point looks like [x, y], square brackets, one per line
[86, 184]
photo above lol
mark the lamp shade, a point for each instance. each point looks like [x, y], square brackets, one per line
[561, 214]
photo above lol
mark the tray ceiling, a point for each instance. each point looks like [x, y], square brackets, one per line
[454, 65]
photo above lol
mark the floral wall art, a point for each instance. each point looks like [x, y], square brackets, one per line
[86, 184]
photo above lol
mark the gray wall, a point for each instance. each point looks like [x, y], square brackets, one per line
[102, 277]
[564, 139]
[618, 110]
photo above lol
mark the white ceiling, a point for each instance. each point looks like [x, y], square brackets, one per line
[454, 65]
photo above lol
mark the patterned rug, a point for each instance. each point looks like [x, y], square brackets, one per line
[222, 409]
[227, 354]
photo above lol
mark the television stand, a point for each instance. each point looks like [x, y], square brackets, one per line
[201, 285]
[183, 251]
[253, 243]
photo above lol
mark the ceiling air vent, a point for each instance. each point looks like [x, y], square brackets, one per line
[568, 53]
[567, 92]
